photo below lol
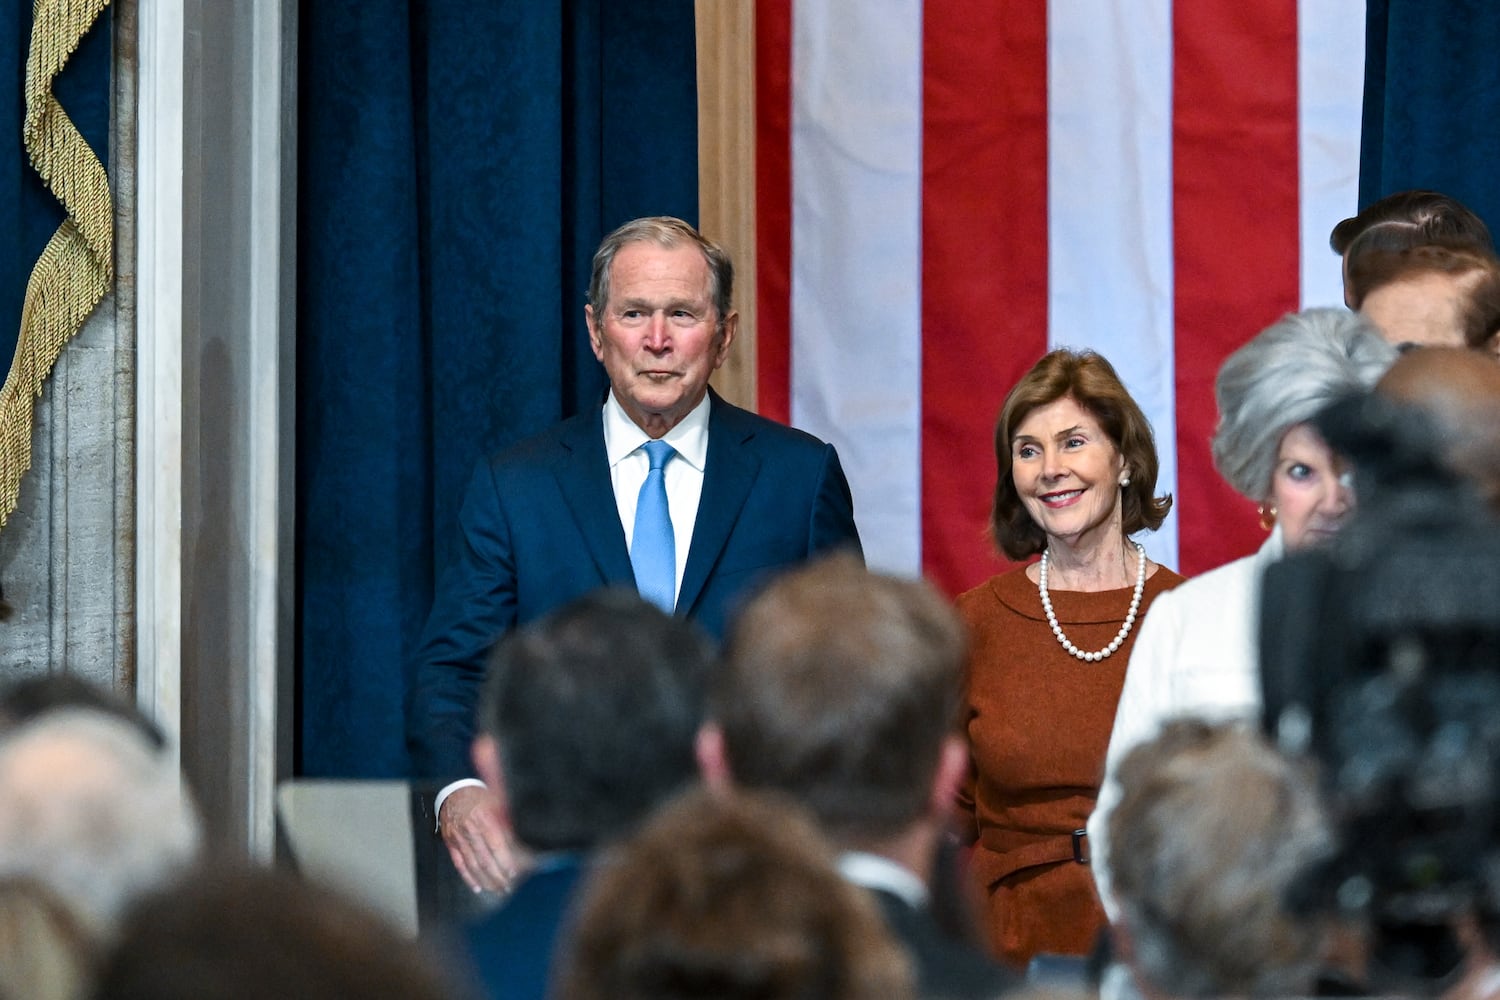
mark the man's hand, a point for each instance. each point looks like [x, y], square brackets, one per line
[478, 840]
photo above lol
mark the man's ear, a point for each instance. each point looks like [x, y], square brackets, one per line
[592, 322]
[953, 767]
[713, 758]
[727, 331]
[485, 752]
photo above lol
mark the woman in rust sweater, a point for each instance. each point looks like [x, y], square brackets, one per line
[1077, 477]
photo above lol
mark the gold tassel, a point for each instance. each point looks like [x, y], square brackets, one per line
[76, 270]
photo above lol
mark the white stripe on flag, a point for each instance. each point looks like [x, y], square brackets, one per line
[1330, 85]
[1109, 181]
[856, 352]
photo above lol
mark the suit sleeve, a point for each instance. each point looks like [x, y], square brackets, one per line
[832, 525]
[474, 606]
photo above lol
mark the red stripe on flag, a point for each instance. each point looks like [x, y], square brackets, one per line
[773, 208]
[984, 259]
[1234, 190]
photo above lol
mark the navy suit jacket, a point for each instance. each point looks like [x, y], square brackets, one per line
[510, 951]
[539, 527]
[945, 967]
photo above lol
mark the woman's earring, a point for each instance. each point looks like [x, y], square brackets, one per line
[1124, 482]
[1267, 516]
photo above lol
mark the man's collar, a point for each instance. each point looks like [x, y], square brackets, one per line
[689, 438]
[873, 871]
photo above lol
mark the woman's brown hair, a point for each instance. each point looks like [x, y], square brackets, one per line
[1090, 381]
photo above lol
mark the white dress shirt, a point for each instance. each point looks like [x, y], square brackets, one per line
[1197, 654]
[624, 448]
[874, 871]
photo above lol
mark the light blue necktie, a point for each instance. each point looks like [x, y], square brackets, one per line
[653, 550]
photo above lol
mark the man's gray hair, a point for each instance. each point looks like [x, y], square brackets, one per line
[1283, 377]
[664, 231]
[1213, 829]
[94, 813]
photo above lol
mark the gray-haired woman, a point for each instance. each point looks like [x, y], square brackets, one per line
[1197, 652]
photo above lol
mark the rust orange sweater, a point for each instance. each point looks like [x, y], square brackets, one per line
[1038, 723]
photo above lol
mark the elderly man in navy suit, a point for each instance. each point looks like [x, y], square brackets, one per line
[666, 488]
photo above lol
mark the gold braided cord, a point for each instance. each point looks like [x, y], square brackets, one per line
[77, 267]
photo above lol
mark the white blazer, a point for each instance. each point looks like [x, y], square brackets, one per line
[1197, 655]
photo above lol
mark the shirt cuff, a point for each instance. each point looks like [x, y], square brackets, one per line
[442, 796]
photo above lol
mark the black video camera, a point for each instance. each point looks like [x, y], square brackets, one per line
[1380, 657]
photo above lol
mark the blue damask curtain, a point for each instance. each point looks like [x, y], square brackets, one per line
[459, 162]
[1432, 101]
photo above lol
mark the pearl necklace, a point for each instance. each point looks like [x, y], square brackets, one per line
[1135, 605]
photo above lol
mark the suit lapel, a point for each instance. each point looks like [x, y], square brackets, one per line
[582, 472]
[728, 474]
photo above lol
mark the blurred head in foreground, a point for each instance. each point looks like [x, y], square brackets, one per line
[589, 716]
[1458, 390]
[840, 688]
[733, 898]
[1212, 830]
[261, 935]
[92, 811]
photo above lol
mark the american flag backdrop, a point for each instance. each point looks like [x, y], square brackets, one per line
[946, 190]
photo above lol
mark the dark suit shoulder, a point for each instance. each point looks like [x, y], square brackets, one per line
[750, 426]
[543, 448]
[511, 949]
[945, 967]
